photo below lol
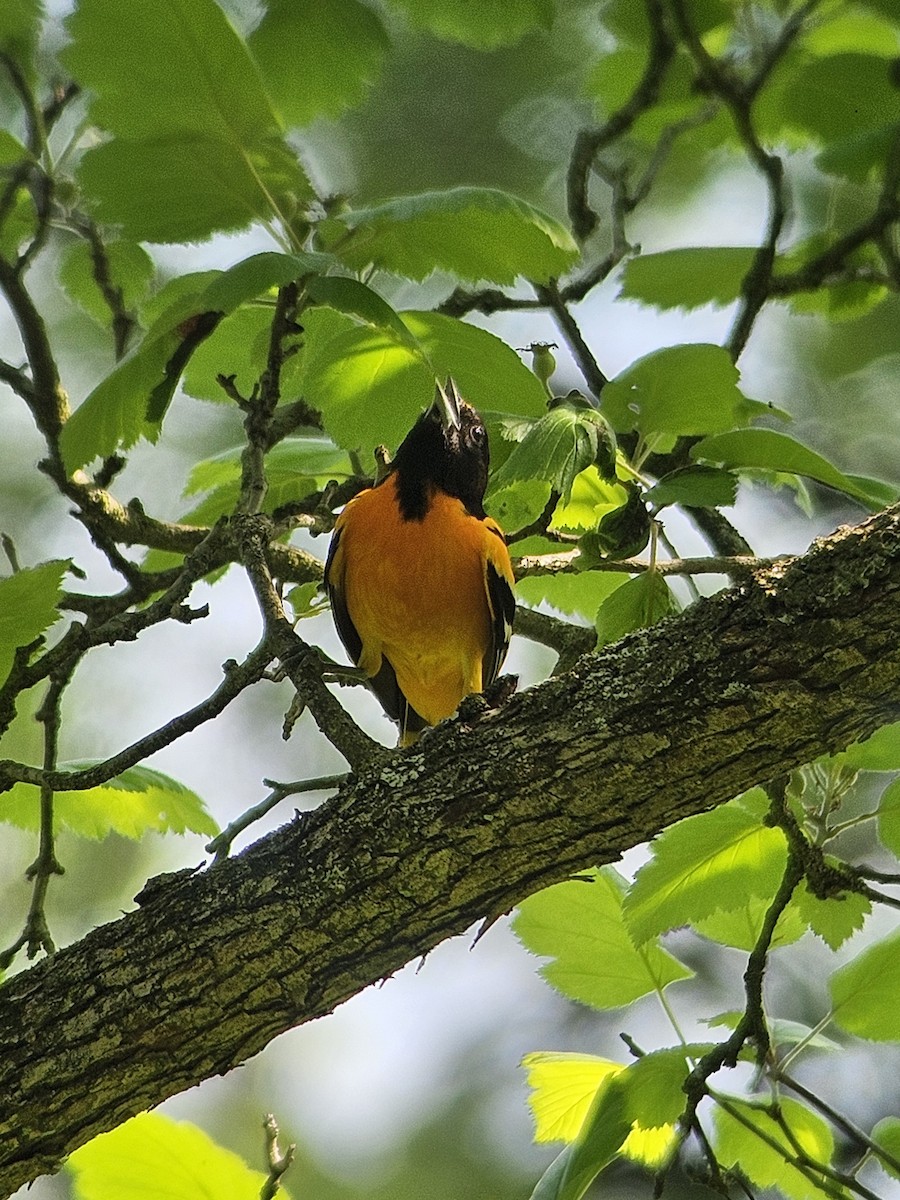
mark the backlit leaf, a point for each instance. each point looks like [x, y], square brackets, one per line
[484, 26]
[152, 1156]
[768, 450]
[637, 604]
[864, 992]
[28, 602]
[138, 801]
[685, 390]
[559, 446]
[197, 146]
[739, 1148]
[579, 924]
[694, 487]
[834, 919]
[712, 862]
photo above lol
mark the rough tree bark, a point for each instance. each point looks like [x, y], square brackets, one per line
[801, 659]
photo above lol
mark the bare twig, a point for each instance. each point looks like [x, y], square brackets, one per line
[278, 1162]
[237, 678]
[221, 845]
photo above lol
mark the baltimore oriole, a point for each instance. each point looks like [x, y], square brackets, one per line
[419, 577]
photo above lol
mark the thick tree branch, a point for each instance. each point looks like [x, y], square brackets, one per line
[802, 659]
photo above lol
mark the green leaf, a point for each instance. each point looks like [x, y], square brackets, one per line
[358, 300]
[197, 146]
[605, 1129]
[655, 1095]
[767, 450]
[20, 24]
[686, 390]
[484, 26]
[341, 46]
[623, 533]
[841, 96]
[307, 600]
[563, 1088]
[151, 1156]
[712, 862]
[574, 594]
[130, 269]
[28, 602]
[592, 498]
[864, 992]
[474, 233]
[887, 1135]
[370, 388]
[557, 448]
[236, 348]
[138, 801]
[694, 487]
[637, 604]
[688, 277]
[783, 1033]
[518, 506]
[889, 816]
[295, 468]
[881, 751]
[132, 400]
[741, 927]
[739, 1148]
[834, 919]
[579, 924]
[117, 413]
[855, 30]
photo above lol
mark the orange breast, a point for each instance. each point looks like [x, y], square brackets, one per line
[416, 592]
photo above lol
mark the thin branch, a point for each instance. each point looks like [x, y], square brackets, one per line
[569, 641]
[756, 285]
[36, 936]
[590, 142]
[736, 567]
[237, 678]
[549, 295]
[278, 1162]
[300, 661]
[221, 845]
[852, 1132]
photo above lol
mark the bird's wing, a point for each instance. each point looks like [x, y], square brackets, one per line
[502, 603]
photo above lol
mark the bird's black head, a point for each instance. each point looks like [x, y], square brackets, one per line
[447, 448]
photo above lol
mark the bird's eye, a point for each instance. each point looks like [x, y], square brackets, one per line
[478, 434]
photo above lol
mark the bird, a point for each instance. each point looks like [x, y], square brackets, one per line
[419, 576]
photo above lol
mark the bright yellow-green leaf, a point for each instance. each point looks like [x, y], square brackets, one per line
[864, 992]
[563, 1087]
[579, 925]
[834, 919]
[705, 864]
[152, 1157]
[138, 801]
[28, 608]
[887, 1134]
[741, 1149]
[741, 927]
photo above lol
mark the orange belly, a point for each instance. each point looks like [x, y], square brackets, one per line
[417, 593]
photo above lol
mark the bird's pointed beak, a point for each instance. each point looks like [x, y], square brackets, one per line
[446, 404]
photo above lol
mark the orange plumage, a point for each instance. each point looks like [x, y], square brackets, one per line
[419, 576]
